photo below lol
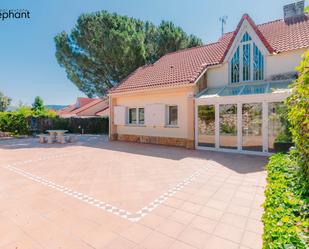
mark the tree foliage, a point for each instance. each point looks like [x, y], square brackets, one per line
[38, 104]
[4, 102]
[103, 48]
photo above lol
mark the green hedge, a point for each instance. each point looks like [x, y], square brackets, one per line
[287, 203]
[73, 125]
[20, 123]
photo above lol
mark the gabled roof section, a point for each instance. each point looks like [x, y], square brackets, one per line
[247, 18]
[83, 101]
[97, 106]
[87, 106]
[182, 68]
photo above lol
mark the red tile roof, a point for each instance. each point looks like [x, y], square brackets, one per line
[87, 106]
[184, 67]
[101, 112]
[85, 103]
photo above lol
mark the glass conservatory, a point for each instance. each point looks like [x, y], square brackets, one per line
[240, 117]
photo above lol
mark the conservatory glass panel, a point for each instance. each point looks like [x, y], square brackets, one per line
[254, 89]
[258, 64]
[252, 138]
[235, 67]
[276, 124]
[228, 126]
[230, 91]
[246, 37]
[246, 71]
[206, 125]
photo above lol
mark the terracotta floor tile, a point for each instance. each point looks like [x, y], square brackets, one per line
[182, 217]
[180, 245]
[205, 224]
[229, 232]
[211, 213]
[240, 210]
[254, 226]
[234, 220]
[157, 240]
[190, 207]
[136, 233]
[171, 228]
[120, 243]
[216, 204]
[252, 240]
[215, 243]
[194, 237]
[152, 220]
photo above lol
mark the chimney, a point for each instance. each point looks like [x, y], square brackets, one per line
[293, 10]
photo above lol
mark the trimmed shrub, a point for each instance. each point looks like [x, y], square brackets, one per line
[298, 113]
[287, 203]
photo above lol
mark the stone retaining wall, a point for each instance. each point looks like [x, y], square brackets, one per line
[170, 141]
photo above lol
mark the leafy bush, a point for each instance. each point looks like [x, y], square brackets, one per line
[298, 112]
[287, 203]
[17, 122]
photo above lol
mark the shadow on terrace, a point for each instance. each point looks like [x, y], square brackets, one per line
[237, 162]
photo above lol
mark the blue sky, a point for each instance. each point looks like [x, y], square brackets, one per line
[28, 66]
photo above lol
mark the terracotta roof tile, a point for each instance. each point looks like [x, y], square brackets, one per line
[183, 67]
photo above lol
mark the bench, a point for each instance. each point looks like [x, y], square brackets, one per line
[43, 138]
[67, 139]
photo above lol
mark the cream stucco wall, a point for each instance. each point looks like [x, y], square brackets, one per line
[217, 76]
[179, 97]
[283, 62]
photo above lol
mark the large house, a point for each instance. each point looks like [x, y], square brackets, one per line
[86, 108]
[223, 96]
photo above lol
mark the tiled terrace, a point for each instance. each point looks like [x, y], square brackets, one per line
[99, 194]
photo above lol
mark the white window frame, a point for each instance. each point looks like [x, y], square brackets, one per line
[137, 116]
[168, 116]
[246, 27]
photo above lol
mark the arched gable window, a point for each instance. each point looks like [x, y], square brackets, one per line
[247, 63]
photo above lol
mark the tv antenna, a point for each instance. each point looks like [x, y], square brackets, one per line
[223, 20]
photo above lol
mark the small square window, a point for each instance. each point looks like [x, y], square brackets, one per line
[141, 115]
[132, 116]
[173, 115]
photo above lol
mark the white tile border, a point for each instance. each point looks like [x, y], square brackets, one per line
[133, 217]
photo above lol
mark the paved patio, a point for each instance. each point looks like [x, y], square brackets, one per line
[99, 194]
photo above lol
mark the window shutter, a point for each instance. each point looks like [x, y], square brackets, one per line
[155, 115]
[119, 115]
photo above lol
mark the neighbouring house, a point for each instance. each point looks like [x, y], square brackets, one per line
[223, 96]
[86, 108]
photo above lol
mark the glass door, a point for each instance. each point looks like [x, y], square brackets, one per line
[252, 137]
[228, 126]
[206, 125]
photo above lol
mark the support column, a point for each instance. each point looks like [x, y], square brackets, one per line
[265, 126]
[239, 126]
[190, 121]
[112, 126]
[217, 125]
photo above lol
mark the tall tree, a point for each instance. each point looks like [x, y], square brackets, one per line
[5, 101]
[38, 104]
[103, 48]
